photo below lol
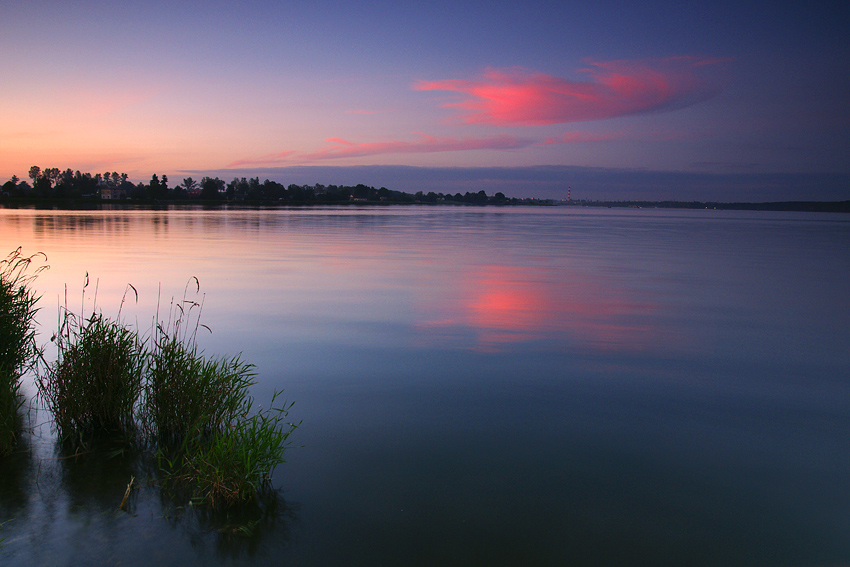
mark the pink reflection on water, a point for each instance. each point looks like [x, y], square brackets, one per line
[498, 306]
[506, 309]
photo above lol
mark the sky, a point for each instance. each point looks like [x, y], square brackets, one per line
[737, 101]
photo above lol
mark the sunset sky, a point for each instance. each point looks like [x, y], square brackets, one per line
[644, 100]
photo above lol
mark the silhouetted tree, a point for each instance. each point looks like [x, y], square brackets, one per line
[11, 186]
[237, 189]
[42, 185]
[273, 190]
[52, 174]
[156, 190]
[138, 191]
[211, 188]
[35, 173]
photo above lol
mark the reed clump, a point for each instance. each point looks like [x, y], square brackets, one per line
[232, 465]
[186, 392]
[93, 387]
[194, 412]
[18, 350]
[210, 441]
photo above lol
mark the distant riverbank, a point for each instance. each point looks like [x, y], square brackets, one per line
[802, 206]
[96, 203]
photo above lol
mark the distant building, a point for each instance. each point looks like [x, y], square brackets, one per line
[110, 192]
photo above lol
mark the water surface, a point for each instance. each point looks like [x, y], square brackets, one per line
[490, 386]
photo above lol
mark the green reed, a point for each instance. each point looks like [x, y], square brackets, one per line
[93, 387]
[185, 391]
[210, 441]
[234, 464]
[18, 350]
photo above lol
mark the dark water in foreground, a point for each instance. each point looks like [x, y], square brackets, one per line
[479, 386]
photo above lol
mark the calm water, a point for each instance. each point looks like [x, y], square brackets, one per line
[541, 386]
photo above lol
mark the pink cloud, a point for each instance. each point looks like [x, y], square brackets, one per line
[614, 88]
[340, 148]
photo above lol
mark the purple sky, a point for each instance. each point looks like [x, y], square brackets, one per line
[645, 100]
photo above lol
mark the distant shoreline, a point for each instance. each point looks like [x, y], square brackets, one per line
[791, 206]
[97, 204]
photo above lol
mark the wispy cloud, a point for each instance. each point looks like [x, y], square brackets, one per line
[339, 148]
[577, 137]
[520, 97]
[581, 137]
[277, 157]
[336, 148]
[725, 165]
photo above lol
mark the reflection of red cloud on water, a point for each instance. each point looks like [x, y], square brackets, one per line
[506, 310]
[504, 305]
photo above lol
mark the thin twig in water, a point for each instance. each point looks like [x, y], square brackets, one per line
[127, 493]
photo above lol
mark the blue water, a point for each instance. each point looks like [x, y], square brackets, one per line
[479, 386]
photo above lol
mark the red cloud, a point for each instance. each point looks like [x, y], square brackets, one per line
[343, 148]
[616, 88]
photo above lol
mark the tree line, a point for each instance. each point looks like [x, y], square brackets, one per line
[52, 183]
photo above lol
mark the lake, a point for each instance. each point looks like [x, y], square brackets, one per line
[477, 386]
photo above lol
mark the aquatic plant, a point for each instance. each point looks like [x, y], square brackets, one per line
[194, 413]
[94, 385]
[234, 464]
[210, 442]
[18, 348]
[199, 412]
[185, 391]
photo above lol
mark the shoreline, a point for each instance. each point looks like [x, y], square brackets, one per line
[101, 204]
